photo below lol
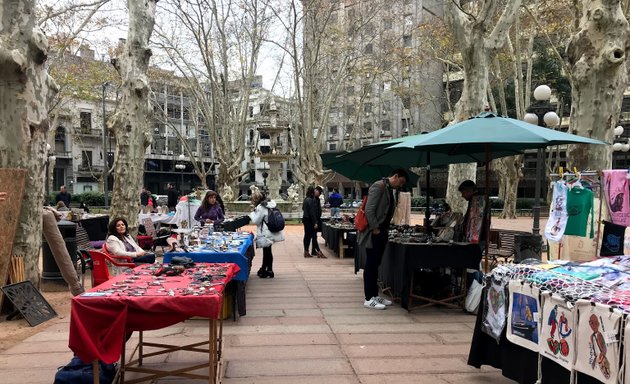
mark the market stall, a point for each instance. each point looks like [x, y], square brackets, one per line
[102, 317]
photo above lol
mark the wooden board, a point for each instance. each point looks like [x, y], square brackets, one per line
[11, 191]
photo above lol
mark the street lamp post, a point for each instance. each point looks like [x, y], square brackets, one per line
[105, 154]
[265, 175]
[541, 114]
[181, 166]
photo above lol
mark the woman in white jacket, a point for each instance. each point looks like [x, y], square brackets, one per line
[264, 237]
[120, 243]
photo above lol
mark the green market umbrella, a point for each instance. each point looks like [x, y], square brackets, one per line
[351, 166]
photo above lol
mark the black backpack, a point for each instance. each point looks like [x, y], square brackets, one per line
[275, 220]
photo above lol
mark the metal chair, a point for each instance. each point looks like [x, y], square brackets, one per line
[149, 227]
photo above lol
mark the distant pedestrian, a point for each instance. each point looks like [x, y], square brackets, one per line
[172, 197]
[335, 200]
[64, 196]
[311, 215]
[144, 199]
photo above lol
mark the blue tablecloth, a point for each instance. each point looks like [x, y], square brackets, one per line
[240, 258]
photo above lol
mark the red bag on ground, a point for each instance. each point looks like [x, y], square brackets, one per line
[360, 221]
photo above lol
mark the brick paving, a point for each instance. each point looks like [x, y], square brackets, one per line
[307, 325]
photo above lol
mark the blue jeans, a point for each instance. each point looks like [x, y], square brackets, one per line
[335, 212]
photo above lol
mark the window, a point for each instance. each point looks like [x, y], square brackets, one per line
[333, 130]
[333, 18]
[367, 126]
[404, 124]
[367, 107]
[86, 121]
[251, 111]
[186, 113]
[387, 85]
[350, 90]
[387, 24]
[174, 112]
[386, 125]
[407, 41]
[349, 109]
[406, 102]
[332, 146]
[368, 48]
[87, 188]
[60, 133]
[86, 159]
[349, 128]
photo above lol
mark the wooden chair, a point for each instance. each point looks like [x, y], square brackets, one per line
[101, 261]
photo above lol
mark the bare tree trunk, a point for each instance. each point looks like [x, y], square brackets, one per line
[25, 90]
[597, 55]
[131, 122]
[475, 45]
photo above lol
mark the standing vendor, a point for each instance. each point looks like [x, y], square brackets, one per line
[475, 227]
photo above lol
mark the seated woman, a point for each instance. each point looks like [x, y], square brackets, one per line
[120, 243]
[210, 211]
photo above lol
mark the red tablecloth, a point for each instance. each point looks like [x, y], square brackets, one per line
[101, 317]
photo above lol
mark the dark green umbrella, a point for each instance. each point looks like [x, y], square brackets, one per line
[350, 166]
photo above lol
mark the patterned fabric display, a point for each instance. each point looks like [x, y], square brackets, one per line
[523, 321]
[598, 331]
[616, 195]
[495, 309]
[557, 212]
[557, 330]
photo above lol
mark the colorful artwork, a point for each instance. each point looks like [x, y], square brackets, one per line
[523, 319]
[557, 329]
[495, 310]
[598, 336]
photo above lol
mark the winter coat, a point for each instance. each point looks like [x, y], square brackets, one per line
[264, 237]
[376, 208]
[214, 213]
[116, 247]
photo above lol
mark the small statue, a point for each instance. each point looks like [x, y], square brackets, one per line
[227, 194]
[293, 193]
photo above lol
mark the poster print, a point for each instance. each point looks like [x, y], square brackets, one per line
[557, 330]
[597, 350]
[523, 321]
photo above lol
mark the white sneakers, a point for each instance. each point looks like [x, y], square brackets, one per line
[377, 302]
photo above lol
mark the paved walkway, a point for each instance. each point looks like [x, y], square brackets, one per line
[307, 325]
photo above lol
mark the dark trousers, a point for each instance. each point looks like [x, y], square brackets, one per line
[310, 236]
[267, 264]
[373, 259]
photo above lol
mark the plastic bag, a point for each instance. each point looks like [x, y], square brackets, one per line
[473, 297]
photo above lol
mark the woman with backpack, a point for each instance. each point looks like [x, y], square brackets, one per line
[311, 219]
[265, 238]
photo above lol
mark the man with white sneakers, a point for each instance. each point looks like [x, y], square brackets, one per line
[379, 210]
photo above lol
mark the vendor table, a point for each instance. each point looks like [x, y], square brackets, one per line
[401, 260]
[516, 363]
[103, 317]
[334, 238]
[242, 256]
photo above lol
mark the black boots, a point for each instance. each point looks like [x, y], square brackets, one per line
[264, 274]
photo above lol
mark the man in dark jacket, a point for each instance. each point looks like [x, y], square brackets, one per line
[64, 196]
[379, 210]
[172, 196]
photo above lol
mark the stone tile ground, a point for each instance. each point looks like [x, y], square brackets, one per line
[307, 325]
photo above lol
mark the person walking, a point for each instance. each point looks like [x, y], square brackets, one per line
[379, 210]
[264, 237]
[311, 215]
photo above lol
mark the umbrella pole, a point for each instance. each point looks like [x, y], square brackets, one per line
[487, 211]
[427, 213]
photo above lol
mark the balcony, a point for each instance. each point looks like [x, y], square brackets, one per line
[63, 154]
[88, 168]
[88, 132]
